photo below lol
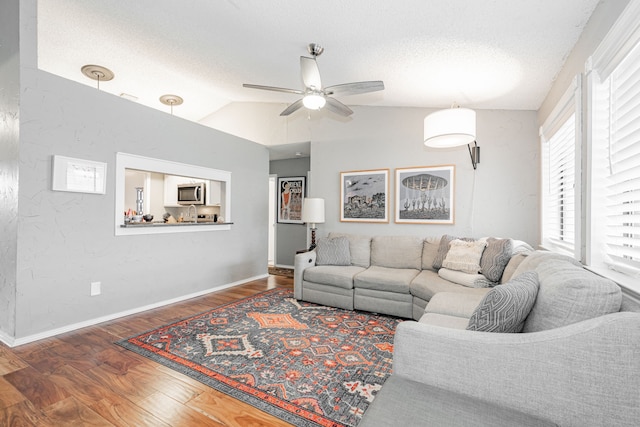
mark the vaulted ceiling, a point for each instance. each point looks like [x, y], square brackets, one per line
[493, 54]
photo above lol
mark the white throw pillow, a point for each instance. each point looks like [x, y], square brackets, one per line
[464, 256]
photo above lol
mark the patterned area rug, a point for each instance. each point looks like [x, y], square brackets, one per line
[307, 364]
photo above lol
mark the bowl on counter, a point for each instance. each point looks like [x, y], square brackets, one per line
[147, 217]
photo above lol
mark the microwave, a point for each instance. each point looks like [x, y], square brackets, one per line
[191, 194]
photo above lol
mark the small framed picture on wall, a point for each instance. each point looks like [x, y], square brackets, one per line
[364, 196]
[291, 191]
[425, 195]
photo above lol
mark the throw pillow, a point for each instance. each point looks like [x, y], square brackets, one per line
[464, 256]
[495, 258]
[506, 307]
[333, 251]
[443, 249]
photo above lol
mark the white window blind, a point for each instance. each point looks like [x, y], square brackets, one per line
[560, 166]
[558, 192]
[616, 167]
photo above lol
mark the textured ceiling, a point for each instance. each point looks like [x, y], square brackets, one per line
[484, 54]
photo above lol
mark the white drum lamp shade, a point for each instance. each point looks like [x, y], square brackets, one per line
[450, 128]
[313, 211]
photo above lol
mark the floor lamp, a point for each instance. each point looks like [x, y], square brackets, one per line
[313, 213]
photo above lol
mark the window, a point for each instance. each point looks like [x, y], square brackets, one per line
[614, 210]
[560, 177]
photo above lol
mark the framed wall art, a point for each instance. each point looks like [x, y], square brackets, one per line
[291, 191]
[364, 196]
[79, 175]
[425, 195]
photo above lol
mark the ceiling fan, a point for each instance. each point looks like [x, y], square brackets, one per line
[314, 96]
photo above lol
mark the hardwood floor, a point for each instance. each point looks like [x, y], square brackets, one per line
[83, 379]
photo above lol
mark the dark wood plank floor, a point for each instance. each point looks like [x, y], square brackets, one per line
[82, 379]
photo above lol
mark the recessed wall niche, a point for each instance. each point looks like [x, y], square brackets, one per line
[152, 184]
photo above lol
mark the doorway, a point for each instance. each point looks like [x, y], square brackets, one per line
[271, 262]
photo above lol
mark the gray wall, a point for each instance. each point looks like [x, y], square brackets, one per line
[500, 198]
[9, 137]
[65, 240]
[290, 237]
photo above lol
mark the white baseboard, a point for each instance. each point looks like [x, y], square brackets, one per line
[14, 342]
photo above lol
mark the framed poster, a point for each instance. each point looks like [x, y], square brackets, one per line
[424, 195]
[364, 196]
[290, 195]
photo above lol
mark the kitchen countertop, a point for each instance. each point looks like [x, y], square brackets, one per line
[172, 224]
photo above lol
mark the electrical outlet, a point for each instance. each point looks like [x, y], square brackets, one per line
[95, 288]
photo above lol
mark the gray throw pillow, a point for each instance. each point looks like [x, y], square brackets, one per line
[333, 251]
[495, 258]
[443, 249]
[506, 307]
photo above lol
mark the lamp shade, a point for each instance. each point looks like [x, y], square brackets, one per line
[450, 128]
[313, 210]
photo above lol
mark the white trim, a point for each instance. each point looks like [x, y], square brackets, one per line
[568, 104]
[14, 342]
[618, 42]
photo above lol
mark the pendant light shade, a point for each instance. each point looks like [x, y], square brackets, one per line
[450, 128]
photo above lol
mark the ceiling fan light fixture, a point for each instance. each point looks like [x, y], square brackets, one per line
[314, 101]
[450, 128]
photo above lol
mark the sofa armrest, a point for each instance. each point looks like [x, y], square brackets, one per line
[301, 262]
[587, 373]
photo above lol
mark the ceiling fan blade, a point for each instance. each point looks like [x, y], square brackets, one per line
[338, 107]
[291, 108]
[354, 88]
[273, 88]
[310, 73]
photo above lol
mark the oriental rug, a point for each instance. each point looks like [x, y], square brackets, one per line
[307, 364]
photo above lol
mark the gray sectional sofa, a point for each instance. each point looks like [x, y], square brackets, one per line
[395, 275]
[576, 364]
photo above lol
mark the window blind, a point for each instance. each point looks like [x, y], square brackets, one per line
[558, 192]
[616, 161]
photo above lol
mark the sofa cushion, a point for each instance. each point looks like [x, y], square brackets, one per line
[334, 275]
[469, 280]
[568, 293]
[430, 247]
[464, 256]
[426, 284]
[512, 265]
[454, 304]
[505, 307]
[359, 248]
[443, 249]
[396, 252]
[333, 251]
[386, 279]
[495, 258]
[444, 320]
[405, 402]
